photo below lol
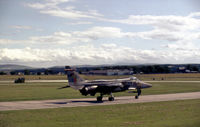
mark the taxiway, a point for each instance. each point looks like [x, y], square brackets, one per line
[42, 104]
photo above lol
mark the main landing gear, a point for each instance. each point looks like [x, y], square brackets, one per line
[138, 93]
[111, 98]
[99, 98]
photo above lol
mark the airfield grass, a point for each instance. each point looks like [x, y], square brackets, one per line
[33, 77]
[43, 91]
[168, 77]
[184, 113]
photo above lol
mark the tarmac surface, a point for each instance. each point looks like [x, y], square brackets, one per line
[42, 104]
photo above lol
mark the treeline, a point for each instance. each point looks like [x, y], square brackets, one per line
[136, 69]
[35, 72]
[146, 69]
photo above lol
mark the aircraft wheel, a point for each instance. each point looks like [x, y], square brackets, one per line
[99, 98]
[136, 97]
[111, 98]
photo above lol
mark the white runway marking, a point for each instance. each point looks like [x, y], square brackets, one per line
[42, 104]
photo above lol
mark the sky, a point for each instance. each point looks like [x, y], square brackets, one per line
[44, 33]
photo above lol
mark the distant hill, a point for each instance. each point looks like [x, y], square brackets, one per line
[9, 67]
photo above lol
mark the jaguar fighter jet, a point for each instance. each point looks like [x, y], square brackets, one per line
[104, 87]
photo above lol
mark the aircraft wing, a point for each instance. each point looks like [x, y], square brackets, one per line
[107, 84]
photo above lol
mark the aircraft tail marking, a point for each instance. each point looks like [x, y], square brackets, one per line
[73, 78]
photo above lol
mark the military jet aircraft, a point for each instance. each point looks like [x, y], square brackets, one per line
[104, 87]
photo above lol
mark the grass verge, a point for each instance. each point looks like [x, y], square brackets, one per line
[42, 91]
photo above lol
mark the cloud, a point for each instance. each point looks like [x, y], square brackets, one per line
[89, 54]
[109, 45]
[168, 22]
[66, 14]
[182, 45]
[80, 23]
[24, 55]
[36, 5]
[88, 35]
[158, 34]
[194, 14]
[100, 32]
[68, 38]
[97, 33]
[52, 8]
[9, 41]
[169, 28]
[21, 27]
[46, 5]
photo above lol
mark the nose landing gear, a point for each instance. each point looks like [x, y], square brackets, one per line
[138, 93]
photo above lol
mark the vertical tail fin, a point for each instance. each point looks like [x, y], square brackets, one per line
[74, 79]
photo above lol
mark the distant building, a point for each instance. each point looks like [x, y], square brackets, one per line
[98, 72]
[172, 69]
[181, 68]
[193, 71]
[187, 71]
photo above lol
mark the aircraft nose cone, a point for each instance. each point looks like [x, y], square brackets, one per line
[146, 85]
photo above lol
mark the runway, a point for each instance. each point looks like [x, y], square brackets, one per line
[42, 104]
